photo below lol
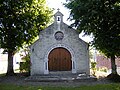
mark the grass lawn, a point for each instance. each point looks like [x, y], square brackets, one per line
[93, 87]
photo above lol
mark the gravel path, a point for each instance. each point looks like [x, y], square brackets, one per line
[20, 80]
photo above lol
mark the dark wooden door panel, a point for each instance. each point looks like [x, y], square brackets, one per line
[59, 60]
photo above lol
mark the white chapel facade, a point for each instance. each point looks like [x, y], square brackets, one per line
[58, 49]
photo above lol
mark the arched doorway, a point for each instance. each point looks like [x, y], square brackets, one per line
[59, 59]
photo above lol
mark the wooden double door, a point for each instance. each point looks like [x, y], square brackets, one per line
[59, 60]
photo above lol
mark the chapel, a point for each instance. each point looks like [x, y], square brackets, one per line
[59, 49]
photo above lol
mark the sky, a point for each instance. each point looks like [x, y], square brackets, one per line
[55, 4]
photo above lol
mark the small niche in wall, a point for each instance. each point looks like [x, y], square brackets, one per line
[58, 19]
[59, 35]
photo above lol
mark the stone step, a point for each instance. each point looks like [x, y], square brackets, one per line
[59, 78]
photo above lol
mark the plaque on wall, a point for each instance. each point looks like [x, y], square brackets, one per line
[59, 35]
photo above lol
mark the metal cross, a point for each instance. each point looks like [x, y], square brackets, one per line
[58, 9]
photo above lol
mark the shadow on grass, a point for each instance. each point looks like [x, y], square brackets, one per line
[114, 77]
[3, 74]
[25, 74]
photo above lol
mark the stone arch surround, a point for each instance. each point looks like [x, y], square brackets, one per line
[46, 71]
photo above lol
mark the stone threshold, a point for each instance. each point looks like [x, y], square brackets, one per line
[60, 78]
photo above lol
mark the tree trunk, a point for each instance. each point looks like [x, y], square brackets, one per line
[10, 70]
[113, 65]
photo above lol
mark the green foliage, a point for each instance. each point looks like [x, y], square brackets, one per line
[103, 69]
[25, 64]
[92, 87]
[100, 18]
[20, 22]
[93, 67]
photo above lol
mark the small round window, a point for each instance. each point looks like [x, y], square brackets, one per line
[59, 35]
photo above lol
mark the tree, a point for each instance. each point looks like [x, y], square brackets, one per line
[20, 23]
[25, 65]
[102, 19]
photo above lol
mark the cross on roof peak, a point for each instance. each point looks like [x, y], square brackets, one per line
[58, 9]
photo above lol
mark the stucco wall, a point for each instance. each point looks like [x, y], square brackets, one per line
[71, 41]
